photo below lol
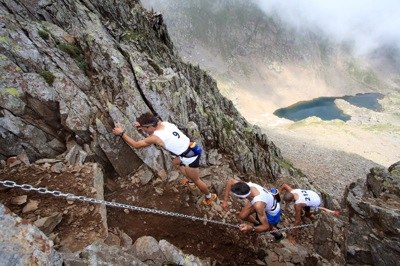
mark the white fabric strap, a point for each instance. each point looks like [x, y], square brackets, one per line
[242, 196]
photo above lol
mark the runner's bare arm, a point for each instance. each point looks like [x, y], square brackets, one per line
[140, 143]
[285, 187]
[334, 212]
[118, 131]
[297, 219]
[260, 209]
[229, 183]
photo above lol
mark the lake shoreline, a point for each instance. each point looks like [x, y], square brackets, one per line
[326, 109]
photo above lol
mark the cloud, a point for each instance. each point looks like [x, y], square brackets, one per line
[368, 23]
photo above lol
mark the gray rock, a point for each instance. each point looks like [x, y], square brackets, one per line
[101, 254]
[19, 200]
[126, 241]
[58, 168]
[173, 176]
[146, 248]
[76, 155]
[144, 175]
[23, 157]
[330, 238]
[47, 224]
[32, 205]
[17, 247]
[375, 219]
[291, 254]
[174, 255]
[214, 157]
[112, 240]
[43, 161]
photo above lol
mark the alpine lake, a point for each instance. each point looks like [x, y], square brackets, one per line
[326, 109]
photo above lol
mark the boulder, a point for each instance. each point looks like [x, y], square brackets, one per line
[24, 244]
[374, 218]
[147, 249]
[101, 254]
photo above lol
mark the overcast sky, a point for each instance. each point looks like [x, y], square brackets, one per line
[368, 22]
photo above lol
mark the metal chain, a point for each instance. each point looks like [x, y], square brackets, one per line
[290, 228]
[72, 197]
[69, 196]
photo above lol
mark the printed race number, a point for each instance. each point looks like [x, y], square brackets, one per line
[176, 134]
[305, 194]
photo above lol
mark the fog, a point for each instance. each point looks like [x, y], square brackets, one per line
[368, 24]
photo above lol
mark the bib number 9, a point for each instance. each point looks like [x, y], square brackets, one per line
[176, 134]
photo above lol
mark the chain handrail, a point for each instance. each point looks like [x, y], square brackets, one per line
[72, 197]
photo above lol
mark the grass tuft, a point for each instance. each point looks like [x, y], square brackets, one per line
[48, 76]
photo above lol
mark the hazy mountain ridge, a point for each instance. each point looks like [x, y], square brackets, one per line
[247, 50]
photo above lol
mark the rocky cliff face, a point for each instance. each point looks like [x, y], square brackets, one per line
[71, 70]
[373, 236]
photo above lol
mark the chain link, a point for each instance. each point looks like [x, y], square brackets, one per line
[290, 228]
[72, 197]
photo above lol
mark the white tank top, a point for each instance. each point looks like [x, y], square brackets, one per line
[309, 197]
[174, 140]
[271, 206]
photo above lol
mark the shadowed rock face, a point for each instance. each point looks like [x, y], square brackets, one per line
[73, 69]
[373, 236]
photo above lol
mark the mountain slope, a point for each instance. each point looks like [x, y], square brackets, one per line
[74, 69]
[257, 56]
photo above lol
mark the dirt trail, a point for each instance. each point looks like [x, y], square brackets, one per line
[222, 244]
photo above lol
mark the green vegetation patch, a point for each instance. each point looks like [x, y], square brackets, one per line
[130, 35]
[48, 76]
[82, 64]
[44, 34]
[73, 50]
[286, 164]
[227, 124]
[76, 53]
[395, 172]
[248, 132]
[383, 128]
[4, 39]
[11, 91]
